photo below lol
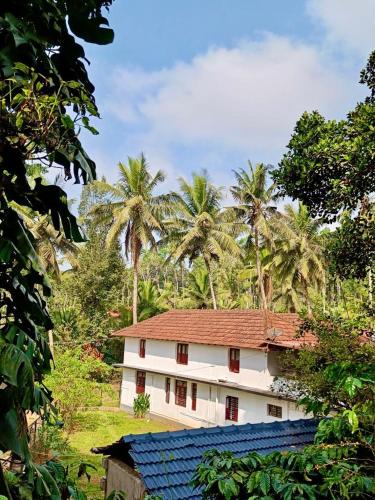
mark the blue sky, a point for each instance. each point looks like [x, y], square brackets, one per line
[208, 84]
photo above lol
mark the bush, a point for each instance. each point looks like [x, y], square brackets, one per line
[78, 381]
[141, 405]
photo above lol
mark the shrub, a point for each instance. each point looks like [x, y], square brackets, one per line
[141, 405]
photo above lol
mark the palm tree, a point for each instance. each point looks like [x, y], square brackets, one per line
[198, 289]
[298, 259]
[133, 211]
[199, 227]
[254, 208]
[49, 242]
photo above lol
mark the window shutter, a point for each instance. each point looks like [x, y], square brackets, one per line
[142, 348]
[275, 411]
[194, 396]
[167, 389]
[182, 354]
[234, 360]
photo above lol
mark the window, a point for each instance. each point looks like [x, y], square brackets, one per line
[181, 391]
[182, 354]
[234, 360]
[193, 396]
[142, 348]
[274, 411]
[141, 382]
[231, 408]
[167, 389]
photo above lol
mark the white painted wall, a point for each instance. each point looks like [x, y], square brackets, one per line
[205, 361]
[252, 408]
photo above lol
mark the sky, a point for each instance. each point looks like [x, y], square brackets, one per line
[209, 84]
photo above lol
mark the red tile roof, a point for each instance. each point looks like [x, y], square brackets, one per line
[254, 329]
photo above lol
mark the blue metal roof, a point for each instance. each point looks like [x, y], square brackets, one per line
[166, 460]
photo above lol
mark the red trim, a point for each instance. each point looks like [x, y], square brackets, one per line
[194, 396]
[231, 408]
[142, 348]
[182, 355]
[180, 393]
[234, 360]
[140, 382]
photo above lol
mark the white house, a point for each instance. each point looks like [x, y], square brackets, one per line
[206, 367]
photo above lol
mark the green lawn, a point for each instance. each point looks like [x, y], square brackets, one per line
[98, 428]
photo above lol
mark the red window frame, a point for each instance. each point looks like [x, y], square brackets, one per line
[142, 348]
[167, 389]
[231, 408]
[182, 354]
[180, 393]
[140, 382]
[194, 396]
[234, 360]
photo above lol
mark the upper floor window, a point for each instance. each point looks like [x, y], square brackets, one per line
[231, 408]
[167, 389]
[140, 382]
[194, 396]
[274, 411]
[142, 348]
[181, 391]
[234, 360]
[182, 354]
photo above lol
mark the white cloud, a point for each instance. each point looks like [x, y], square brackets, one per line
[347, 22]
[246, 98]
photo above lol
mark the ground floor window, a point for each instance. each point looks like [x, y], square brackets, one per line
[140, 382]
[167, 389]
[274, 411]
[181, 391]
[194, 396]
[231, 408]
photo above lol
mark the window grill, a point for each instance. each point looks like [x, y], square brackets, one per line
[140, 382]
[181, 391]
[231, 408]
[274, 411]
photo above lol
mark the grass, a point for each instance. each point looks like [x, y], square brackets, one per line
[99, 428]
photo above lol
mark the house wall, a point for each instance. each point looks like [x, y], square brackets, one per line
[205, 361]
[211, 400]
[121, 477]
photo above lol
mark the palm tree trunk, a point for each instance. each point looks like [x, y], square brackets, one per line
[259, 270]
[51, 343]
[370, 287]
[307, 298]
[135, 294]
[214, 304]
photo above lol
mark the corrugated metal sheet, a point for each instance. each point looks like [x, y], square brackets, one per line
[167, 460]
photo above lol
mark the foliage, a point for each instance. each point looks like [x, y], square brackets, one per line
[255, 209]
[337, 374]
[50, 439]
[77, 381]
[198, 227]
[133, 210]
[330, 167]
[43, 82]
[141, 405]
[297, 260]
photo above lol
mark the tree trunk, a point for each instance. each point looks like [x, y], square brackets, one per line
[50, 342]
[259, 271]
[370, 287]
[214, 304]
[307, 298]
[135, 294]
